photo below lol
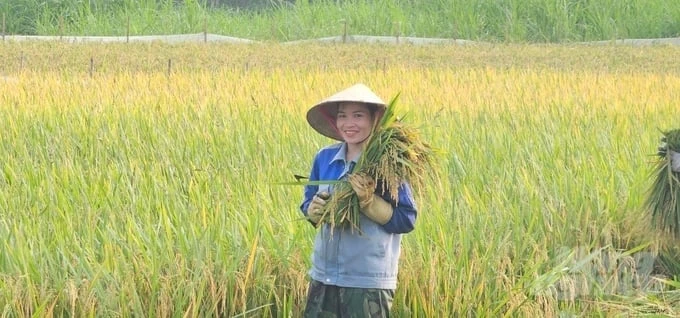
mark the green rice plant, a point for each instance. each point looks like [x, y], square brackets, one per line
[487, 20]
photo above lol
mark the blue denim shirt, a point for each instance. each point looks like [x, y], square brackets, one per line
[368, 258]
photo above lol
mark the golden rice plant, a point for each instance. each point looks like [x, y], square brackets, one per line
[134, 191]
[394, 153]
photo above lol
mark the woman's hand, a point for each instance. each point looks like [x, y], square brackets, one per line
[315, 209]
[363, 186]
[373, 206]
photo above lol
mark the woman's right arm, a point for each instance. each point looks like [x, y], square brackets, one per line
[310, 190]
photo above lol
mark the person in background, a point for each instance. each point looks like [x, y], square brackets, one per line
[353, 273]
[675, 161]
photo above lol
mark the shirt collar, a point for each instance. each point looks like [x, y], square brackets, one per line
[340, 155]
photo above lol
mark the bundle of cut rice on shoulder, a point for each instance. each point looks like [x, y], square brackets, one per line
[664, 197]
[394, 153]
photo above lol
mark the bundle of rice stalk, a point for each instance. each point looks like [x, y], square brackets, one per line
[664, 197]
[393, 154]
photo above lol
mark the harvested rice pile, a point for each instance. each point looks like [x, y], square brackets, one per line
[663, 200]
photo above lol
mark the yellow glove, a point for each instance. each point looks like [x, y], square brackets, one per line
[315, 208]
[373, 206]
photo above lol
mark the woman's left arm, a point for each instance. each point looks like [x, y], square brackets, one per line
[404, 213]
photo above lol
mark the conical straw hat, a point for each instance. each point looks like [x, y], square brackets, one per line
[322, 115]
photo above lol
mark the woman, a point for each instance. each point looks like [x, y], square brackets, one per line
[354, 273]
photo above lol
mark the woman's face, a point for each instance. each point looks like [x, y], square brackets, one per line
[354, 122]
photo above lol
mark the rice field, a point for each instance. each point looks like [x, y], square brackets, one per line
[141, 180]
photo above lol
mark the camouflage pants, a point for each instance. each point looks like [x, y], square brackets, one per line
[330, 301]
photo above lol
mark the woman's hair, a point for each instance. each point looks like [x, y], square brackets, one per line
[372, 108]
